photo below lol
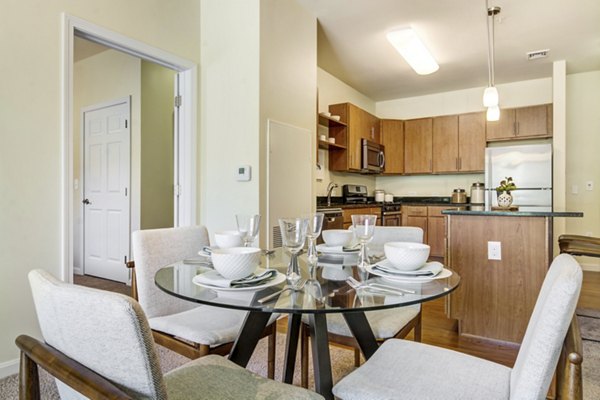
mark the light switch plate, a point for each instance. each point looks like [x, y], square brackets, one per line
[494, 251]
[243, 173]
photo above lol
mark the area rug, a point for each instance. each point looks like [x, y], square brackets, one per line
[589, 324]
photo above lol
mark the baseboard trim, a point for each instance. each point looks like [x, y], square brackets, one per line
[9, 368]
[590, 267]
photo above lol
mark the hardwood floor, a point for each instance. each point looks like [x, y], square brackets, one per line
[437, 329]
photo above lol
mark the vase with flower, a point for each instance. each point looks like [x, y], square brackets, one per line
[504, 198]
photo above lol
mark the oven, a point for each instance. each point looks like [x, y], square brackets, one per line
[391, 215]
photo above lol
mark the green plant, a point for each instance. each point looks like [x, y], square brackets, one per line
[506, 185]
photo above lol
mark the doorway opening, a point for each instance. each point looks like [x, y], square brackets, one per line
[178, 201]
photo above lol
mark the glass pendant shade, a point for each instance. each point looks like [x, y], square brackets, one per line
[493, 113]
[490, 97]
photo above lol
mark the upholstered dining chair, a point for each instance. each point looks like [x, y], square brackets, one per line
[401, 369]
[98, 345]
[386, 324]
[187, 328]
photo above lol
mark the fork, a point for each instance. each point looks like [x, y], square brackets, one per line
[382, 288]
[295, 287]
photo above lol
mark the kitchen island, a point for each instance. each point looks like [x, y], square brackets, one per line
[502, 257]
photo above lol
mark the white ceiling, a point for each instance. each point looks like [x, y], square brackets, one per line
[353, 47]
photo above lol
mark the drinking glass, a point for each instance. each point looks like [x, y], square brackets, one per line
[293, 235]
[364, 226]
[248, 226]
[313, 230]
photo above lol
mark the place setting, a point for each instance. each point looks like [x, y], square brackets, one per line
[407, 262]
[236, 265]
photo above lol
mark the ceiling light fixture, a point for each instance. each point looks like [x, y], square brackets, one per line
[490, 95]
[408, 44]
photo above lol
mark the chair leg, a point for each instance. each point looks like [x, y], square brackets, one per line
[29, 381]
[356, 357]
[417, 329]
[271, 351]
[304, 356]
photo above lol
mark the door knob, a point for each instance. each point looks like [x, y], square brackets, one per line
[86, 201]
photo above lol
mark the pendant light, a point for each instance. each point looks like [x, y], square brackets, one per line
[490, 95]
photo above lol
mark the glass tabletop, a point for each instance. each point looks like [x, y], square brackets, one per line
[327, 293]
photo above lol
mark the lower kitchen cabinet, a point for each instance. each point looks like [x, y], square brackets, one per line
[415, 216]
[349, 212]
[433, 223]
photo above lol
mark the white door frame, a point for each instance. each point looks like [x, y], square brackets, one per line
[187, 71]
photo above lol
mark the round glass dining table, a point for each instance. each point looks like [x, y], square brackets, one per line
[327, 290]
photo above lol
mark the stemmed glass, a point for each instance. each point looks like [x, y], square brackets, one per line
[364, 226]
[315, 224]
[248, 226]
[293, 235]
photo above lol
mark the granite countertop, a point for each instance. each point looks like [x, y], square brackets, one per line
[525, 211]
[338, 202]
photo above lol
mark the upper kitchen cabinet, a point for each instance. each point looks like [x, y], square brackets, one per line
[459, 143]
[521, 123]
[360, 125]
[392, 137]
[418, 144]
[471, 142]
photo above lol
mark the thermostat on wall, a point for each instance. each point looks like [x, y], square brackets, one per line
[243, 173]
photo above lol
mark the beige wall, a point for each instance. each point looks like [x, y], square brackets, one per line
[31, 144]
[583, 143]
[229, 103]
[157, 89]
[106, 76]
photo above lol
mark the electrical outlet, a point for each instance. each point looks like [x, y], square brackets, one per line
[589, 185]
[494, 251]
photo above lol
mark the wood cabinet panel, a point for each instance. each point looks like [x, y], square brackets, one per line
[496, 297]
[436, 234]
[392, 138]
[418, 146]
[502, 129]
[445, 143]
[471, 142]
[360, 125]
[349, 212]
[414, 211]
[521, 123]
[532, 121]
[415, 216]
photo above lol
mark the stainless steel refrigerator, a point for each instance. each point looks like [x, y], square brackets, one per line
[530, 166]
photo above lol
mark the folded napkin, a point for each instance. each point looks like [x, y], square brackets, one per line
[213, 278]
[430, 269]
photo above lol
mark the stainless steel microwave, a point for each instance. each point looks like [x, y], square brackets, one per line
[373, 157]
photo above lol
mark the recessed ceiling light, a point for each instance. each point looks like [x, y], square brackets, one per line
[408, 44]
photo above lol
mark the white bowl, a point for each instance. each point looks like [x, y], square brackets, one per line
[227, 239]
[337, 237]
[236, 262]
[406, 256]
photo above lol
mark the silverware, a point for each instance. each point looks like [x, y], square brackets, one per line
[295, 287]
[371, 286]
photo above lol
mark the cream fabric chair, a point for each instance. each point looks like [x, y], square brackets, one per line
[386, 324]
[407, 370]
[100, 344]
[183, 326]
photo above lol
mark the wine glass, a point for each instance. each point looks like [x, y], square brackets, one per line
[364, 227]
[293, 235]
[248, 226]
[313, 230]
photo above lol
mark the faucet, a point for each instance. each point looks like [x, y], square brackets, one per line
[330, 188]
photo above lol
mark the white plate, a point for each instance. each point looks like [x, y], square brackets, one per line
[323, 248]
[279, 278]
[417, 279]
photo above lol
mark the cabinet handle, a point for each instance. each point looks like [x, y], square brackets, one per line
[430, 165]
[456, 163]
[460, 163]
[518, 128]
[515, 129]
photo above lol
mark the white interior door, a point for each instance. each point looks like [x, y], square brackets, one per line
[107, 143]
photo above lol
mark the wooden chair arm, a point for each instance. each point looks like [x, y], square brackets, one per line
[579, 245]
[569, 375]
[130, 264]
[82, 379]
